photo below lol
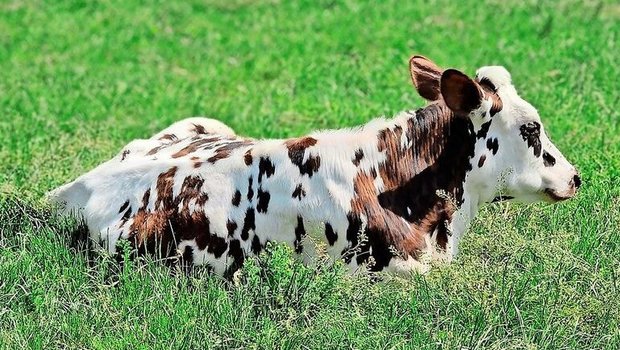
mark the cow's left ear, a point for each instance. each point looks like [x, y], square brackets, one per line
[461, 94]
[425, 75]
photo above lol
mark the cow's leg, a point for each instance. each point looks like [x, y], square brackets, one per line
[191, 127]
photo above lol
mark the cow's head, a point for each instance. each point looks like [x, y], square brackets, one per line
[513, 158]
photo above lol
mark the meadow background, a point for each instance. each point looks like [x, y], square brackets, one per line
[79, 79]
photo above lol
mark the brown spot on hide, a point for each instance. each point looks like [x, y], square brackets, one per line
[354, 229]
[530, 132]
[237, 255]
[124, 155]
[299, 192]
[385, 231]
[195, 145]
[154, 150]
[373, 172]
[192, 189]
[199, 129]
[165, 182]
[203, 236]
[146, 198]
[248, 224]
[236, 200]
[126, 216]
[493, 145]
[231, 226]
[330, 234]
[124, 206]
[225, 150]
[443, 145]
[484, 129]
[410, 208]
[481, 160]
[247, 157]
[263, 200]
[169, 137]
[548, 159]
[300, 233]
[250, 190]
[171, 221]
[426, 130]
[256, 245]
[217, 246]
[359, 154]
[265, 167]
[188, 256]
[296, 152]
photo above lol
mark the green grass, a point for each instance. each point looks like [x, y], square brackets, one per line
[79, 79]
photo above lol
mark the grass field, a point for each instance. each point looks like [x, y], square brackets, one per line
[80, 79]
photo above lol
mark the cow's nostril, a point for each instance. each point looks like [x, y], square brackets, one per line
[577, 181]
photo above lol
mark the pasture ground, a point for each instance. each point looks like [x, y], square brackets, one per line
[80, 79]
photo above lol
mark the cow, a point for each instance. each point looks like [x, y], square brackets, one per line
[392, 195]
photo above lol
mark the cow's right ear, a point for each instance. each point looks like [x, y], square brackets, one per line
[426, 76]
[461, 94]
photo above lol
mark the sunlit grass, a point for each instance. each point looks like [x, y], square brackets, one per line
[80, 79]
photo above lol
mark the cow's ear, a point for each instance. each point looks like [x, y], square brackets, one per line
[425, 76]
[461, 94]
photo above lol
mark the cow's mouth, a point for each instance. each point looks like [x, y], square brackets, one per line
[558, 197]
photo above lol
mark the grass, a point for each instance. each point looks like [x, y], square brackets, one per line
[79, 79]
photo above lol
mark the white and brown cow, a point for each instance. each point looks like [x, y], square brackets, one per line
[392, 195]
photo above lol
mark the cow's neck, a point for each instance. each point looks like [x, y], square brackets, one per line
[428, 155]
